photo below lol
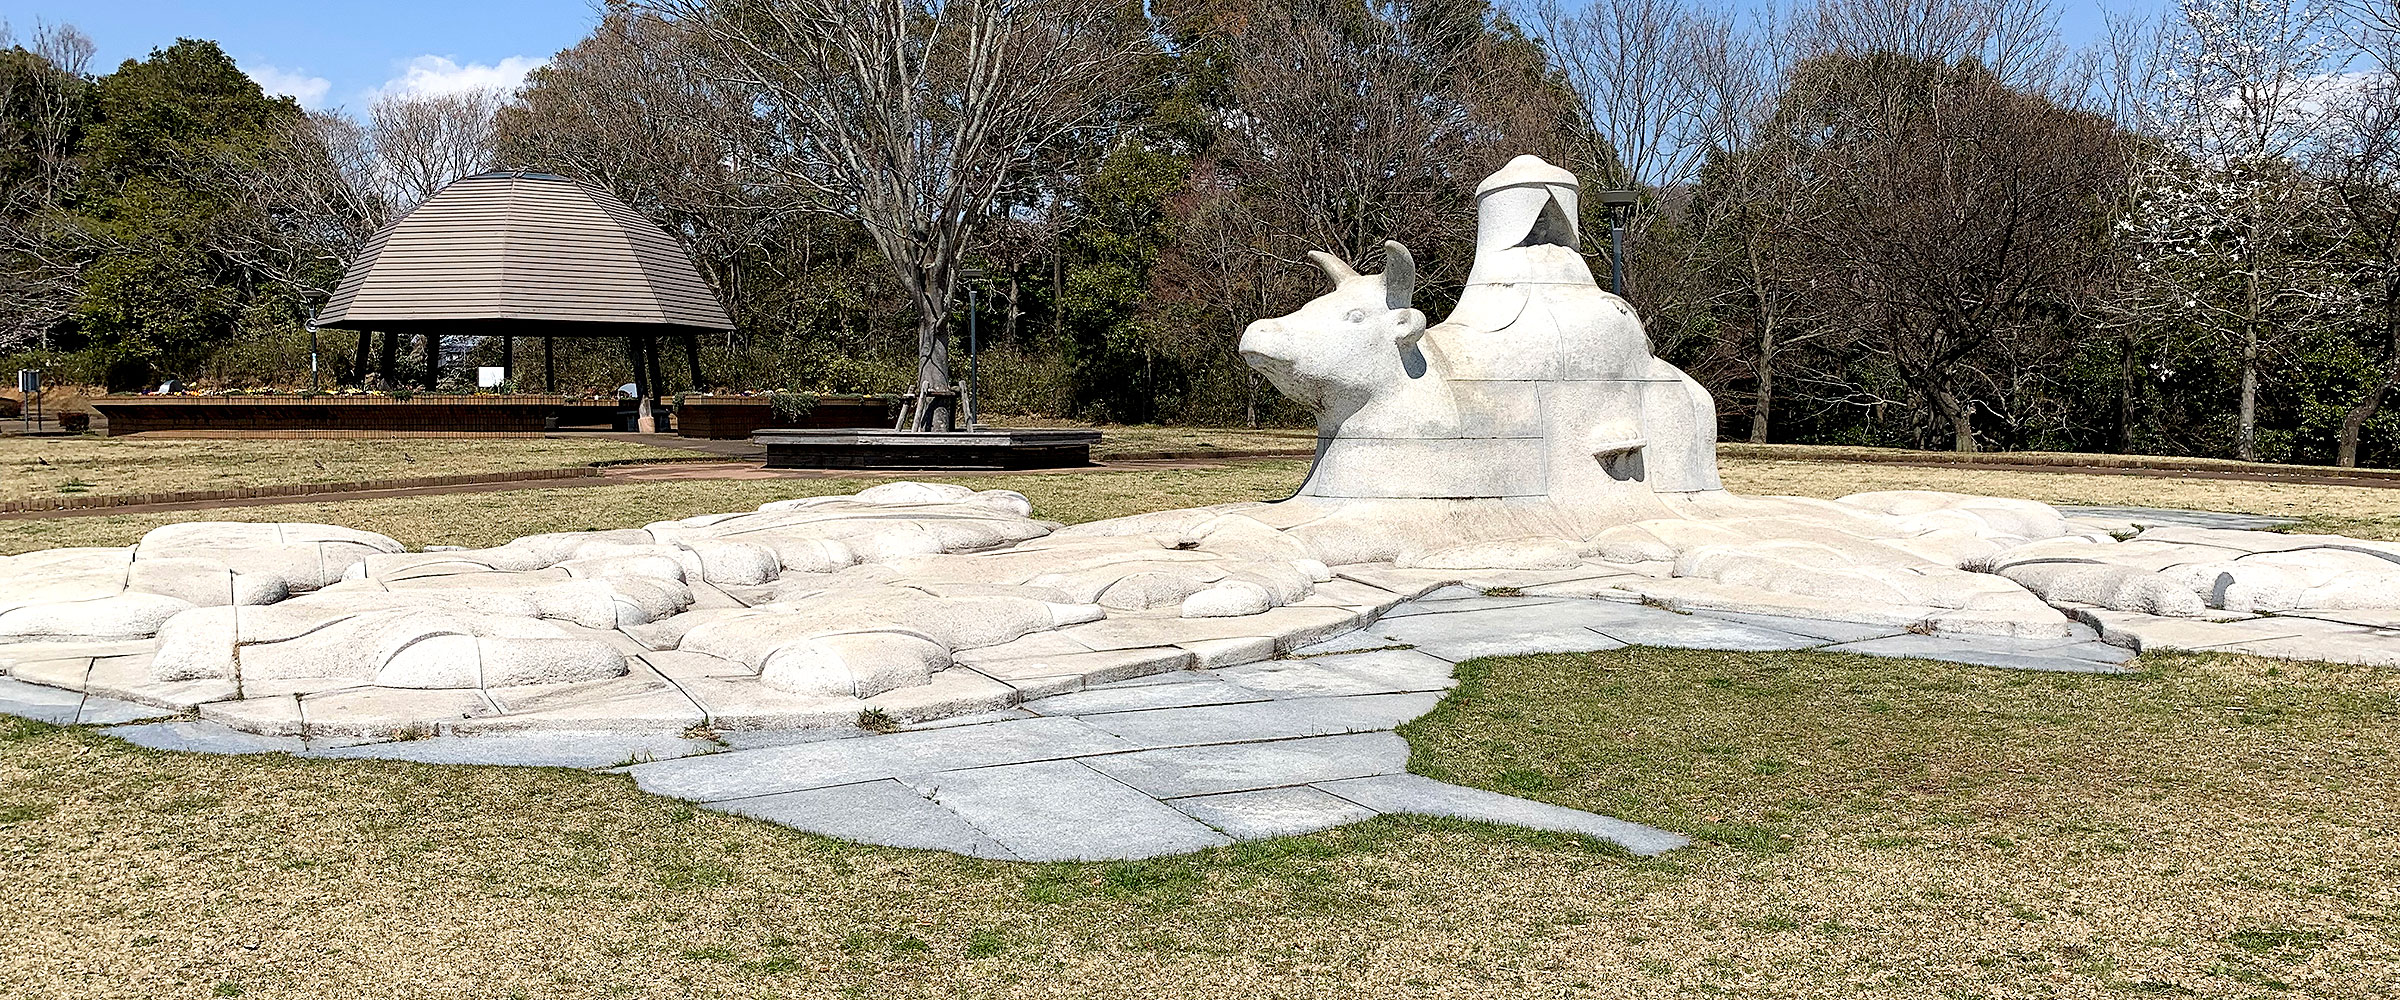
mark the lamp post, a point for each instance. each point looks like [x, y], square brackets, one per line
[973, 276]
[312, 352]
[1620, 211]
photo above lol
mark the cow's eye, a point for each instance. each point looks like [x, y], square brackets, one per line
[1354, 316]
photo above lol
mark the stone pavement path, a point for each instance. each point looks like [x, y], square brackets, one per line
[2191, 518]
[1157, 765]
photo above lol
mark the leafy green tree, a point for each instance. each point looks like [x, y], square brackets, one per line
[161, 158]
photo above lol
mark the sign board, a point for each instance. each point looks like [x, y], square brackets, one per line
[489, 377]
[29, 380]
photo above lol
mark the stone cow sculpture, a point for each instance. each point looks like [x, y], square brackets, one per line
[1539, 385]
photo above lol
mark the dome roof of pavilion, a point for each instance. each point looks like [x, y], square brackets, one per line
[528, 253]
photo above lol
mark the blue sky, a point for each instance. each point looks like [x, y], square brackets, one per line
[343, 53]
[332, 54]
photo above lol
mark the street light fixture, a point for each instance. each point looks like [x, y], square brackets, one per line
[973, 276]
[1620, 212]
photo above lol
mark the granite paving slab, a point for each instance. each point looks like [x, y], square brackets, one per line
[1986, 651]
[99, 711]
[2194, 518]
[1236, 767]
[39, 703]
[840, 762]
[1694, 631]
[1820, 628]
[1202, 690]
[196, 736]
[1060, 810]
[1475, 602]
[1383, 671]
[1348, 642]
[1272, 812]
[1561, 627]
[1267, 720]
[876, 812]
[581, 749]
[1420, 795]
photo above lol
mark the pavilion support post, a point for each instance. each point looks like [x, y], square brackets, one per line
[550, 363]
[641, 379]
[433, 360]
[645, 383]
[366, 354]
[691, 353]
[658, 372]
[508, 358]
[389, 362]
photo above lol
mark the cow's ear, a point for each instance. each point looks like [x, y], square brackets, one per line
[1408, 326]
[1399, 275]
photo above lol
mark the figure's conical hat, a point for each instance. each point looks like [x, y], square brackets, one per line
[1528, 202]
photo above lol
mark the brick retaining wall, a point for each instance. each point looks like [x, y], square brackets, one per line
[737, 417]
[330, 416]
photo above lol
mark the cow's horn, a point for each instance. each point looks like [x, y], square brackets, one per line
[1399, 275]
[1332, 266]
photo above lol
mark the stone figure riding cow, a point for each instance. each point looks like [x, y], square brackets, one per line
[1539, 385]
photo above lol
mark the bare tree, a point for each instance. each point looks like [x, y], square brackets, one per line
[1350, 124]
[2246, 97]
[1661, 81]
[631, 109]
[424, 141]
[2016, 41]
[1676, 95]
[1954, 268]
[2360, 161]
[921, 120]
[304, 202]
[41, 251]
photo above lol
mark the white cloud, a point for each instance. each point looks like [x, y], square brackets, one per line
[433, 75]
[299, 86]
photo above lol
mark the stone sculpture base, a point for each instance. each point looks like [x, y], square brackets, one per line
[909, 601]
[1042, 448]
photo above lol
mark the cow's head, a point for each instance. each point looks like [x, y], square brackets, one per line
[1348, 345]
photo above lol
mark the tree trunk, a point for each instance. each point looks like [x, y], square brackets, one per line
[2125, 370]
[936, 406]
[1008, 329]
[2354, 422]
[1962, 428]
[2245, 432]
[1766, 383]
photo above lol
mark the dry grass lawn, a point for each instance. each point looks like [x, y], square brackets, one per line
[1147, 439]
[2219, 827]
[97, 466]
[2361, 511]
[478, 519]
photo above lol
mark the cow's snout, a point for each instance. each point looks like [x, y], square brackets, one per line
[1264, 344]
